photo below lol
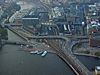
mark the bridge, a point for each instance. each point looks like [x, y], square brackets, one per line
[61, 45]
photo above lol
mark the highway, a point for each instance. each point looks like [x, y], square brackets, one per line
[58, 37]
[66, 55]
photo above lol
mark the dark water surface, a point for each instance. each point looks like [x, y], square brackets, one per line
[89, 62]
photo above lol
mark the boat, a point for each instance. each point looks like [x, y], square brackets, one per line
[44, 53]
[39, 52]
[33, 52]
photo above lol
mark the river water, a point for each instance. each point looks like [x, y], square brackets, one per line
[13, 61]
[89, 62]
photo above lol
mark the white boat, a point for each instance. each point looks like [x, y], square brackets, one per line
[39, 52]
[33, 52]
[44, 53]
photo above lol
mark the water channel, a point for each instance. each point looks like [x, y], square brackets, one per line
[16, 62]
[89, 62]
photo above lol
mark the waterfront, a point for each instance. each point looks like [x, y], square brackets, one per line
[16, 62]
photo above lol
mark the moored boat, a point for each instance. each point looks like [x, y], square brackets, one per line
[44, 53]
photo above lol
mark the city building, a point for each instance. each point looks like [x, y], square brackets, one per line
[48, 28]
[58, 11]
[93, 18]
[46, 1]
[30, 20]
[94, 41]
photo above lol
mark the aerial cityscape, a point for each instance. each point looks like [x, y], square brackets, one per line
[49, 37]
